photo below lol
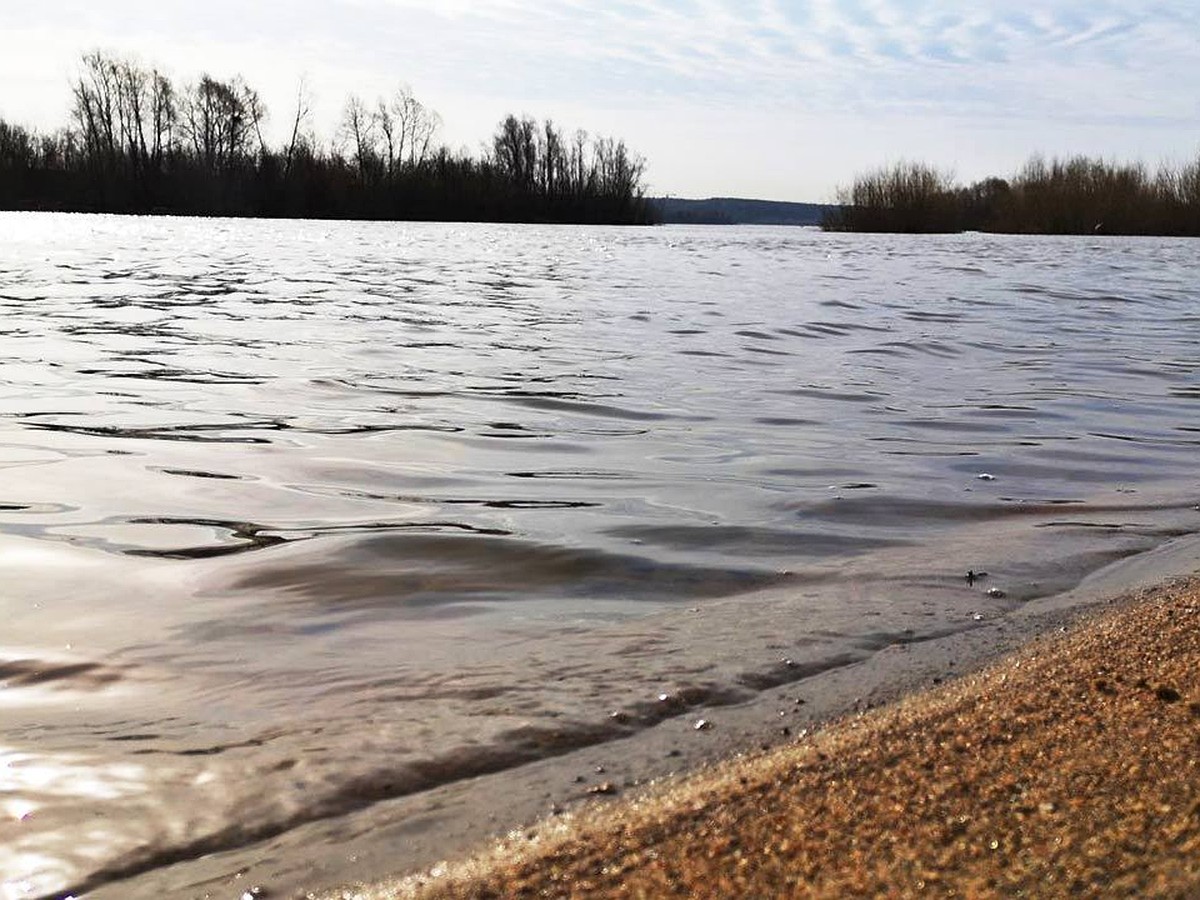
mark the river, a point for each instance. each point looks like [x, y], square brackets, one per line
[297, 518]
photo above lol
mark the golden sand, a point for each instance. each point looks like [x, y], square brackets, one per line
[1069, 769]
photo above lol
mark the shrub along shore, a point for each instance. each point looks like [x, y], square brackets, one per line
[1080, 195]
[1067, 769]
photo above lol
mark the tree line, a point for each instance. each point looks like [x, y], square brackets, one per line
[1078, 195]
[139, 142]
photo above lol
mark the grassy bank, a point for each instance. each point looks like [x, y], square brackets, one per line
[1068, 769]
[1079, 195]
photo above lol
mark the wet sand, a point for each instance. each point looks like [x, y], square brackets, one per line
[1070, 767]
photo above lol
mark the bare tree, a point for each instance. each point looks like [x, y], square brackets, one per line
[125, 114]
[515, 150]
[579, 169]
[358, 129]
[132, 83]
[300, 139]
[424, 128]
[409, 127]
[163, 115]
[220, 120]
[17, 146]
[385, 122]
[95, 108]
[555, 172]
[256, 111]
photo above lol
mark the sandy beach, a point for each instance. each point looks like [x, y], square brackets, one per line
[1067, 768]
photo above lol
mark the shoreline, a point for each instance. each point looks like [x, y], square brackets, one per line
[388, 840]
[1067, 766]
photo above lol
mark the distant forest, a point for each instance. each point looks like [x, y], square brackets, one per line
[1073, 196]
[737, 211]
[138, 142]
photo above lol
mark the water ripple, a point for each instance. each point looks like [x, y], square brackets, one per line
[346, 510]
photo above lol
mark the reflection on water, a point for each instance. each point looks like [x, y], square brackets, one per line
[298, 516]
[46, 789]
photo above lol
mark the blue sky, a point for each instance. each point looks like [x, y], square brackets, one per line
[764, 98]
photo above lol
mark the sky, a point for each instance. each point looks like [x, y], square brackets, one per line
[775, 99]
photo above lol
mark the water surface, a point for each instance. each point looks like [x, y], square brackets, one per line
[300, 516]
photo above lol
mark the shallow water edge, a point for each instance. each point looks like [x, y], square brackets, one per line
[415, 832]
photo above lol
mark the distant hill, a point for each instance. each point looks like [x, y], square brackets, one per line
[735, 211]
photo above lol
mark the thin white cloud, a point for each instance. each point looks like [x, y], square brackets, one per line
[634, 67]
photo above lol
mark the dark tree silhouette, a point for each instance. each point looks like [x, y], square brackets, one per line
[138, 143]
[1079, 195]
